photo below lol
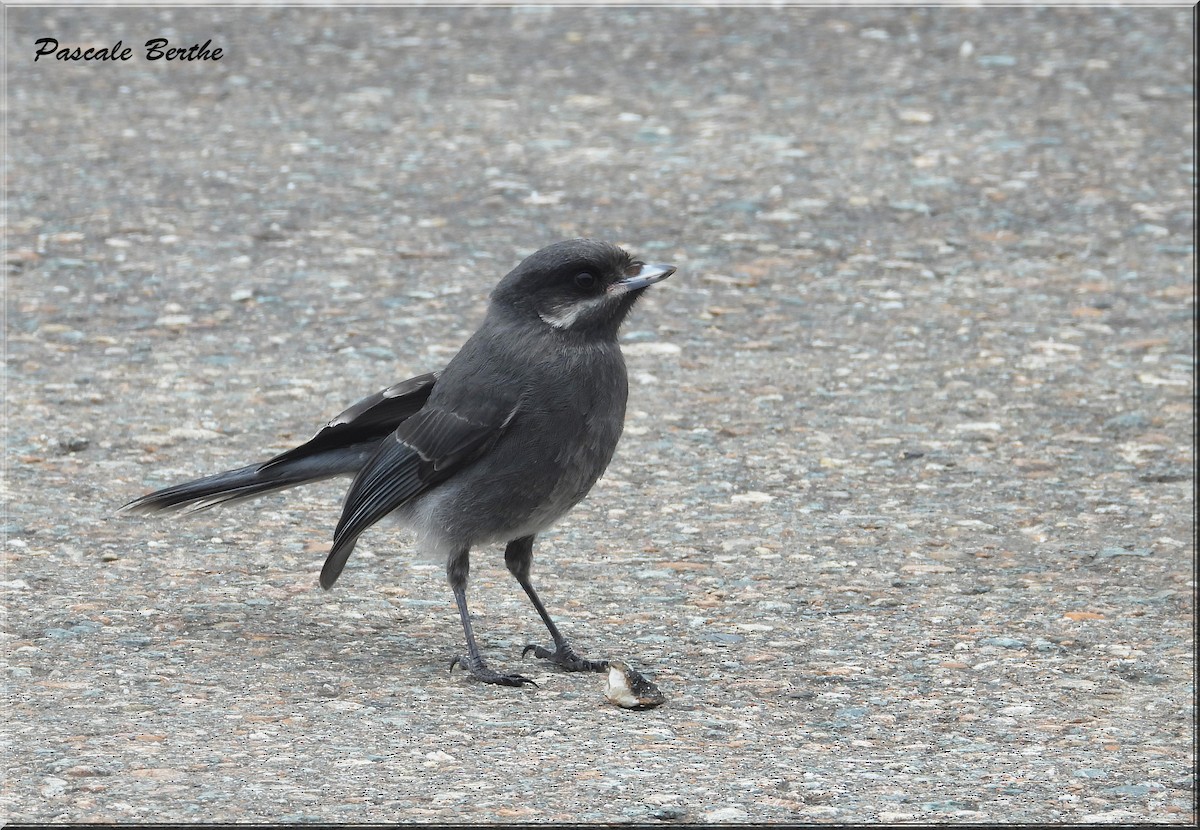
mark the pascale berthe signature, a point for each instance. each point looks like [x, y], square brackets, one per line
[156, 49]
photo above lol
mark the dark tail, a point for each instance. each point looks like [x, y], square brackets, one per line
[253, 481]
[341, 447]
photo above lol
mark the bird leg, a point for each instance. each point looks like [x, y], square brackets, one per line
[458, 566]
[518, 556]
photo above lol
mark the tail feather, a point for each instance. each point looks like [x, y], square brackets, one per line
[341, 447]
[251, 482]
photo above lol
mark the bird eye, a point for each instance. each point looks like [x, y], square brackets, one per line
[585, 280]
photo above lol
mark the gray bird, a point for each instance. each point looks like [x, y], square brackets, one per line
[496, 447]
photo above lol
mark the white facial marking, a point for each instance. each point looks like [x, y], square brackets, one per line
[568, 315]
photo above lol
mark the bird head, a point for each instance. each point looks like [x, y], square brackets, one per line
[581, 286]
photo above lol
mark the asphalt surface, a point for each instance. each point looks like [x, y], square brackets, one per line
[902, 523]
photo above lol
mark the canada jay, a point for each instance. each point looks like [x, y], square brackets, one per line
[496, 447]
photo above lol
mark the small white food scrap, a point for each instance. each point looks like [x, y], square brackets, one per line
[629, 689]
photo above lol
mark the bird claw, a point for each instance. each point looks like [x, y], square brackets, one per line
[565, 657]
[479, 670]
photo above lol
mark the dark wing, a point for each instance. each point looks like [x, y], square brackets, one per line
[368, 421]
[423, 451]
[342, 447]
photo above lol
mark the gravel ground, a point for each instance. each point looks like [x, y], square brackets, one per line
[903, 519]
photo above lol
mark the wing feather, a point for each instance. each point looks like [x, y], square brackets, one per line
[369, 420]
[422, 452]
[342, 446]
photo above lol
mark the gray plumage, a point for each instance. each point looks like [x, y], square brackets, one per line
[494, 448]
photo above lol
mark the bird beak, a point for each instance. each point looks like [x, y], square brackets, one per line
[641, 275]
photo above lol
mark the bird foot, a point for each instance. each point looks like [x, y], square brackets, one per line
[565, 657]
[479, 670]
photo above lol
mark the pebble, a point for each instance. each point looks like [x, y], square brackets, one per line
[669, 813]
[720, 637]
[53, 786]
[1109, 817]
[751, 497]
[1003, 642]
[910, 207]
[1111, 551]
[174, 320]
[658, 349]
[75, 443]
[135, 640]
[193, 434]
[85, 771]
[378, 353]
[726, 814]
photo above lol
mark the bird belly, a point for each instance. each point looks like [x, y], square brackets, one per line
[514, 492]
[555, 448]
